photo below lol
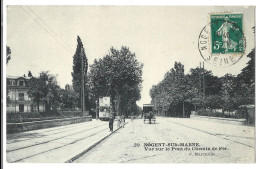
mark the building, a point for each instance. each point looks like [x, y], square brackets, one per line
[19, 101]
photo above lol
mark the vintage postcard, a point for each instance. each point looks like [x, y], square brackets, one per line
[130, 84]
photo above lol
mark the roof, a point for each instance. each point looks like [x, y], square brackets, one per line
[148, 105]
[16, 77]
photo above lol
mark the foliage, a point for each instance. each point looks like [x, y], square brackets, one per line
[175, 88]
[227, 92]
[8, 58]
[79, 58]
[118, 75]
[68, 99]
[212, 83]
[214, 102]
[18, 117]
[44, 89]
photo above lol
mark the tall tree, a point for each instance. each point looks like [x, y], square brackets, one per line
[44, 89]
[79, 58]
[175, 89]
[118, 75]
[212, 83]
[248, 73]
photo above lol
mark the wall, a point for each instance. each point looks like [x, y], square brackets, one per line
[27, 126]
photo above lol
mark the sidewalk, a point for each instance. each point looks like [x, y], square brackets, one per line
[57, 144]
[241, 134]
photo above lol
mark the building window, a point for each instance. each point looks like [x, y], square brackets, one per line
[9, 82]
[21, 96]
[21, 108]
[21, 83]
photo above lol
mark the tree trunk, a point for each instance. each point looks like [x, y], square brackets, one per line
[118, 99]
[183, 109]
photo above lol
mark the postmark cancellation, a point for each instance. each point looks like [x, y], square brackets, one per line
[222, 41]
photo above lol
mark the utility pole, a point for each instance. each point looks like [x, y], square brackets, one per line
[200, 81]
[203, 83]
[82, 85]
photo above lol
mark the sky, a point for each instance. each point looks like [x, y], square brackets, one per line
[44, 38]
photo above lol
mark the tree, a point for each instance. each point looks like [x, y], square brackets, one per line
[68, 98]
[214, 102]
[8, 54]
[227, 92]
[118, 75]
[244, 91]
[246, 80]
[79, 61]
[8, 57]
[176, 88]
[247, 74]
[212, 83]
[44, 89]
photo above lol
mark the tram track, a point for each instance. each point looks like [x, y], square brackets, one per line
[65, 130]
[64, 145]
[58, 138]
[31, 133]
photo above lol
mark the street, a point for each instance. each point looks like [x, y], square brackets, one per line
[56, 144]
[235, 144]
[74, 72]
[169, 140]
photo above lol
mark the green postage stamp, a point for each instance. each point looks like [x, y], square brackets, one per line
[227, 33]
[222, 41]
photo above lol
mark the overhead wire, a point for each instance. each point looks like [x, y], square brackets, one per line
[55, 37]
[56, 34]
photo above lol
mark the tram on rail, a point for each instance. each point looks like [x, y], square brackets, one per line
[105, 108]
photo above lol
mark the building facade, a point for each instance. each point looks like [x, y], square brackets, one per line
[18, 99]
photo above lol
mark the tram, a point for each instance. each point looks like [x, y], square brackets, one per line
[105, 109]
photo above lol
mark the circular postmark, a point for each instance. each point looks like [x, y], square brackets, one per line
[222, 42]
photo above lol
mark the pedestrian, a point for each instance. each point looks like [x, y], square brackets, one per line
[123, 121]
[111, 122]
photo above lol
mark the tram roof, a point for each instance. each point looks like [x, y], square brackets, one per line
[148, 105]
